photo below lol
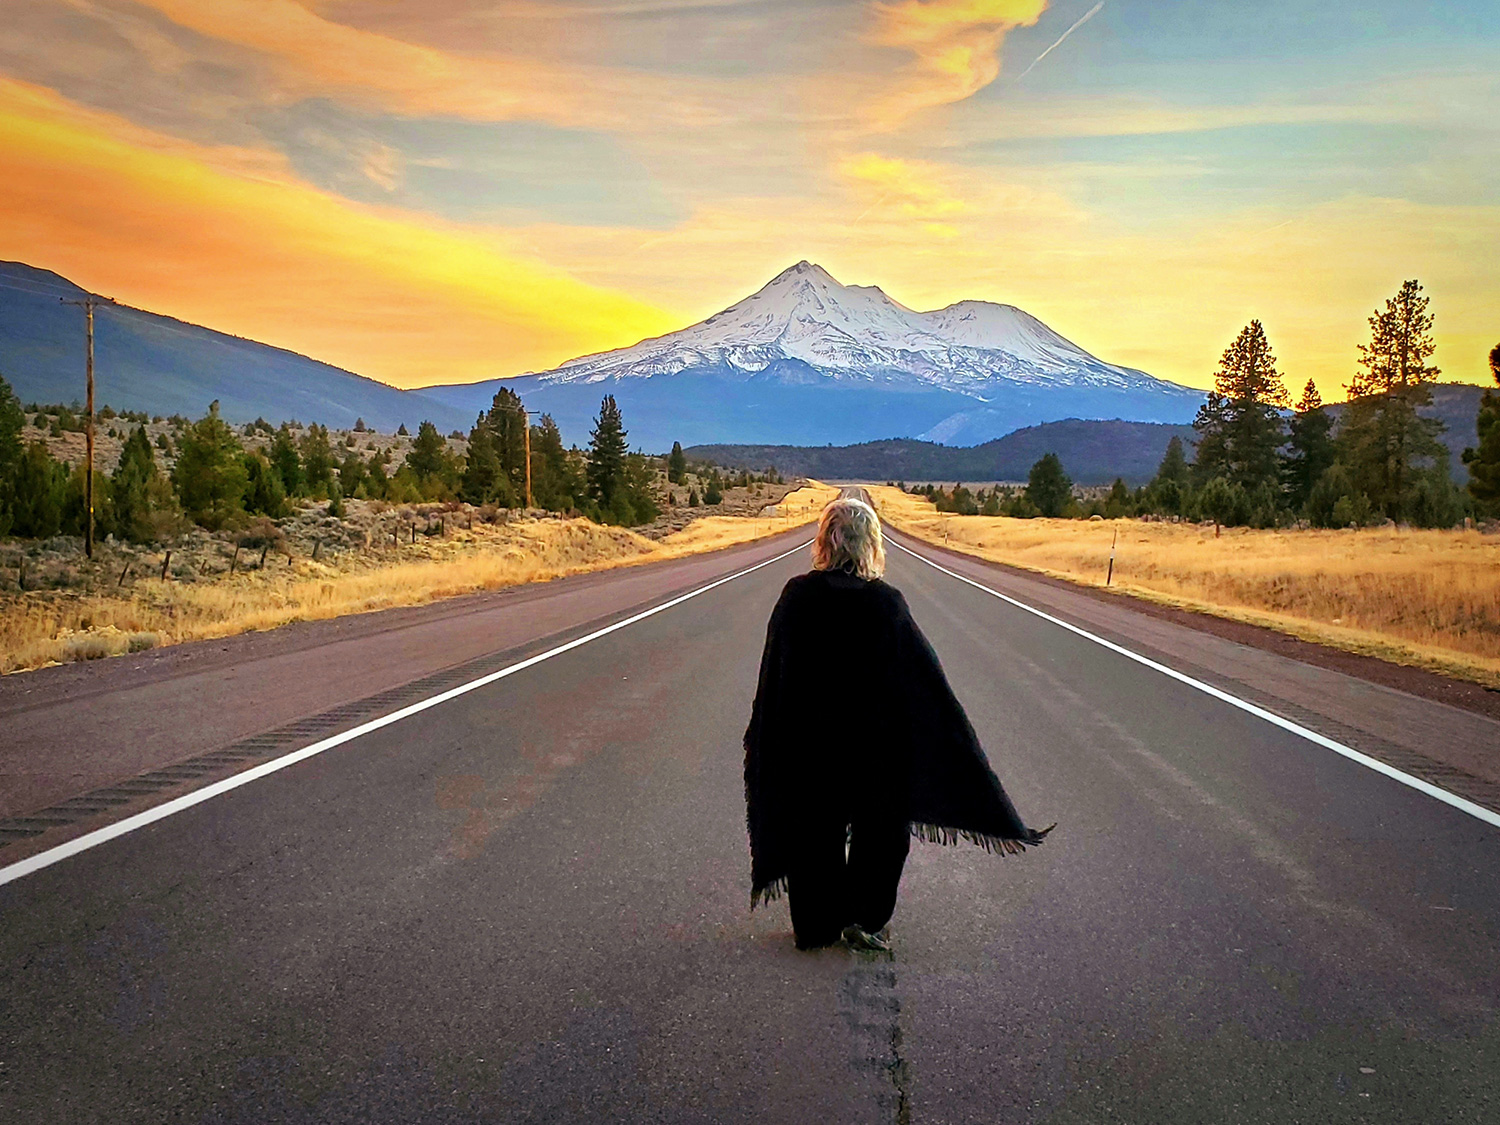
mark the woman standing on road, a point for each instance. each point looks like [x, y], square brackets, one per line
[856, 743]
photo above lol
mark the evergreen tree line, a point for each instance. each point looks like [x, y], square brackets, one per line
[217, 481]
[1263, 462]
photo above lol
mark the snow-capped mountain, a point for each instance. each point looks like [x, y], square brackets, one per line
[857, 332]
[808, 360]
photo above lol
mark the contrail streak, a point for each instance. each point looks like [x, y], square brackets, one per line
[1088, 15]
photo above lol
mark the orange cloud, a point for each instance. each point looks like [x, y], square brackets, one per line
[315, 55]
[224, 237]
[956, 44]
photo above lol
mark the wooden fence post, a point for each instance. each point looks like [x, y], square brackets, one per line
[164, 563]
[234, 561]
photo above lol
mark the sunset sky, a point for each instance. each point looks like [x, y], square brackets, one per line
[455, 190]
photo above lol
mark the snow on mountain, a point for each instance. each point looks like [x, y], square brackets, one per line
[856, 332]
[807, 360]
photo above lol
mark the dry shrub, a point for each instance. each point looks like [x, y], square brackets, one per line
[261, 532]
[90, 646]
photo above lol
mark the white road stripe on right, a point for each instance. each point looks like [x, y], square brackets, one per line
[1478, 812]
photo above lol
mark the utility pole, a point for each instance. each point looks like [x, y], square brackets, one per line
[88, 304]
[526, 430]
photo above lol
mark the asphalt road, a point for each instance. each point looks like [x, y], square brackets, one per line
[529, 903]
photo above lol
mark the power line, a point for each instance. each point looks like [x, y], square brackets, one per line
[39, 292]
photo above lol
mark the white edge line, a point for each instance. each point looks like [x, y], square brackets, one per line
[1479, 812]
[24, 867]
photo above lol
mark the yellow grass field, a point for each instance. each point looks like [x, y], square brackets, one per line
[46, 627]
[1424, 598]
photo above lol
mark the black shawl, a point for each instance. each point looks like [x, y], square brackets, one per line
[854, 718]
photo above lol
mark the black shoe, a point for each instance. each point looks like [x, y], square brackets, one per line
[857, 938]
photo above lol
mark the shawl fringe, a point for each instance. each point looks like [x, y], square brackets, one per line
[928, 833]
[937, 834]
[769, 893]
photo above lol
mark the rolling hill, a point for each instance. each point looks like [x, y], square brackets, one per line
[163, 366]
[1093, 452]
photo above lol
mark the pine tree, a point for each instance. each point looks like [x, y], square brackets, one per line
[506, 422]
[1168, 490]
[209, 474]
[1117, 505]
[1174, 464]
[75, 503]
[376, 482]
[1223, 502]
[555, 480]
[606, 456]
[677, 464]
[1394, 455]
[317, 459]
[264, 494]
[351, 474]
[482, 468]
[37, 488]
[640, 484]
[713, 493]
[1239, 426]
[1310, 449]
[287, 462]
[1484, 459]
[1400, 345]
[137, 490]
[1048, 487]
[429, 453]
[12, 421]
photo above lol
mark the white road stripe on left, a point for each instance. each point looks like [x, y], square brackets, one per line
[22, 868]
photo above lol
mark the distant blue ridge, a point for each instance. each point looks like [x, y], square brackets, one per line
[164, 366]
[701, 406]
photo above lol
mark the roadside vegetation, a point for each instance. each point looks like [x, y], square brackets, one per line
[204, 529]
[1415, 596]
[1259, 463]
[1350, 533]
[316, 566]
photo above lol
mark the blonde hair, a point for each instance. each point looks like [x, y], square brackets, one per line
[849, 538]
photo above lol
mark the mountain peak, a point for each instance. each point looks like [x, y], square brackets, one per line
[804, 325]
[804, 266]
[805, 271]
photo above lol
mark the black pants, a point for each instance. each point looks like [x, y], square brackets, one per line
[828, 891]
